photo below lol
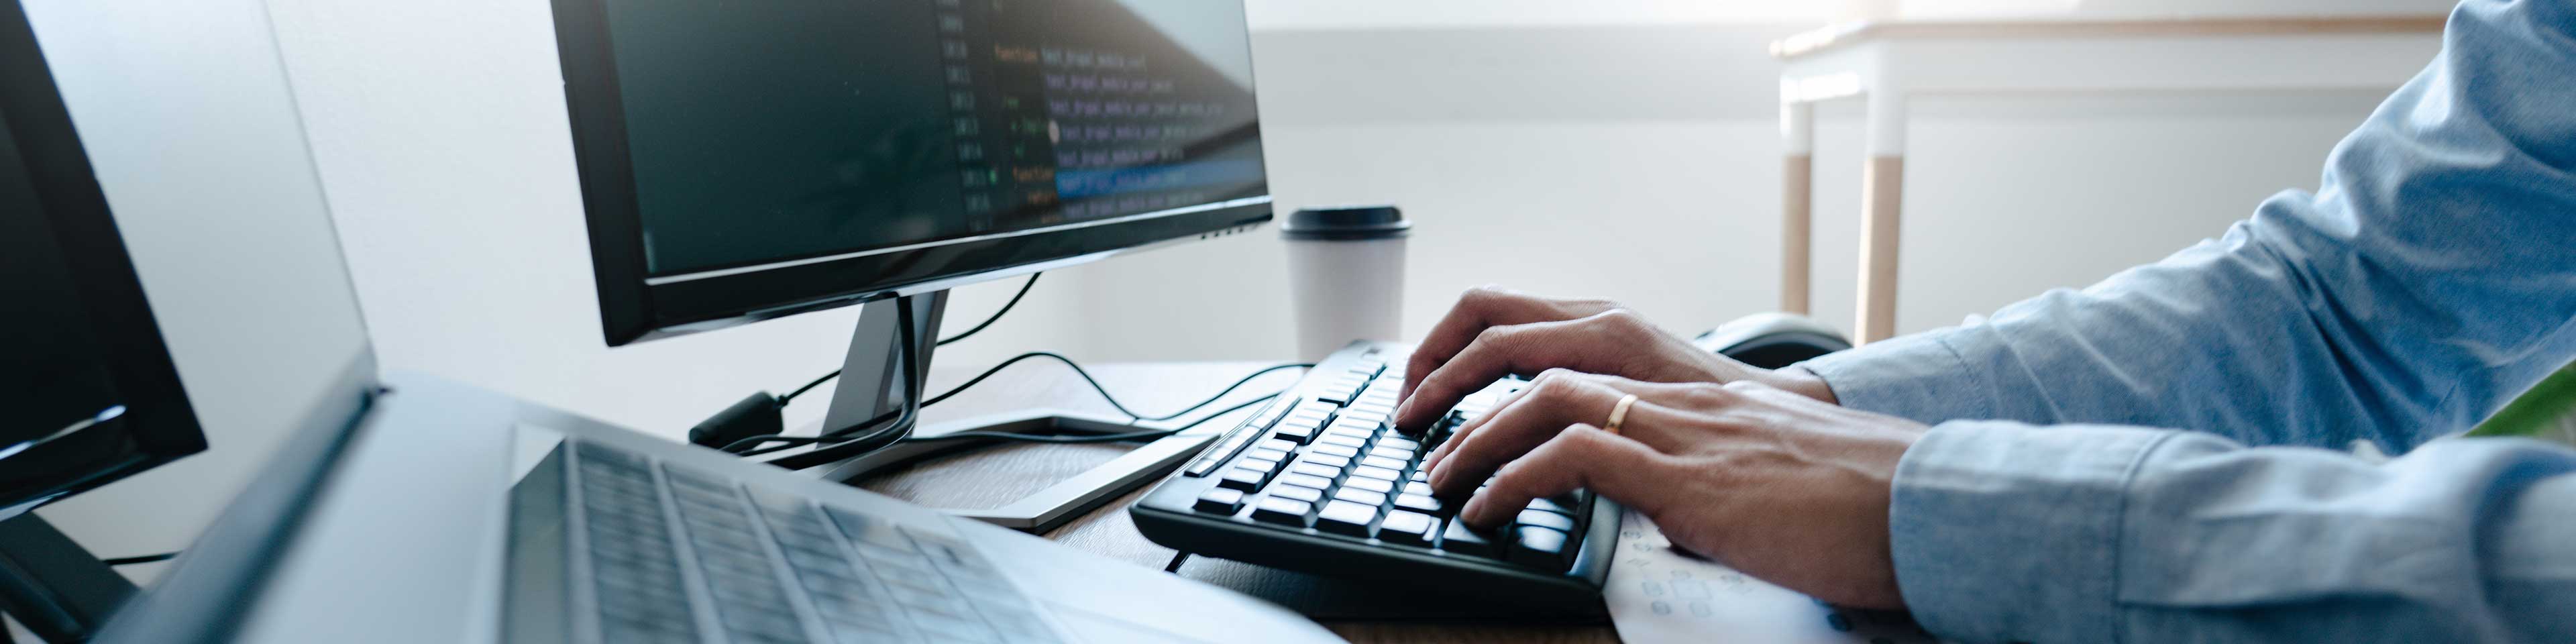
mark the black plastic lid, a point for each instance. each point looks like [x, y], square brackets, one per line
[1346, 223]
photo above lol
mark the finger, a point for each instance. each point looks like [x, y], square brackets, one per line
[1557, 399]
[1590, 343]
[1481, 307]
[1459, 436]
[1658, 404]
[1580, 457]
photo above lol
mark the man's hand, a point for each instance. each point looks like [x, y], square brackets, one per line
[1779, 485]
[1491, 333]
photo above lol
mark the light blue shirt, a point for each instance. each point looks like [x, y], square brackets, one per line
[2429, 280]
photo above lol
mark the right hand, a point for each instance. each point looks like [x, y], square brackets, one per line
[1491, 333]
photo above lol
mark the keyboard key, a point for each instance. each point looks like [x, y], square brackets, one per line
[1271, 455]
[1401, 457]
[1346, 518]
[1361, 425]
[1379, 473]
[1220, 501]
[1381, 462]
[1311, 468]
[1343, 451]
[1362, 415]
[1282, 511]
[1277, 444]
[1550, 506]
[1294, 432]
[1307, 494]
[1244, 479]
[1425, 504]
[1459, 538]
[869, 530]
[1419, 487]
[1370, 484]
[1406, 528]
[1338, 463]
[1316, 409]
[1314, 419]
[1401, 443]
[1539, 548]
[1316, 483]
[1343, 440]
[1360, 496]
[1374, 410]
[1262, 465]
[1421, 476]
[1339, 429]
[1542, 518]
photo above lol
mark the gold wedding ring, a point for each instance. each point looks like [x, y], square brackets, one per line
[1619, 414]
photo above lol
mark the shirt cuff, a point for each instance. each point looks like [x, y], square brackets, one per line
[1919, 377]
[2003, 531]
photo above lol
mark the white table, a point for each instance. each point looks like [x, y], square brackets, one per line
[1890, 63]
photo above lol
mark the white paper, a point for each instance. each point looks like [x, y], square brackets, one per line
[1658, 595]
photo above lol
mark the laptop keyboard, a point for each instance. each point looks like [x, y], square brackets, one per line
[774, 568]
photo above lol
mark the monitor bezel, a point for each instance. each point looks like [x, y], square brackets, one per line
[634, 308]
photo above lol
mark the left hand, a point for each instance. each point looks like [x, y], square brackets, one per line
[1778, 485]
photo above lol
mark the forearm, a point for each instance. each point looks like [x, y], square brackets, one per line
[2004, 531]
[2421, 286]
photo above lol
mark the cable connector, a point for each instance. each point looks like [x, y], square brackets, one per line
[755, 415]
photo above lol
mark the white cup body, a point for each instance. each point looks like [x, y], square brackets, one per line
[1345, 290]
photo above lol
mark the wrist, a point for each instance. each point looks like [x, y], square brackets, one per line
[1798, 380]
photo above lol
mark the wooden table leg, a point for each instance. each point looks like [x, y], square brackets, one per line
[1882, 198]
[1797, 191]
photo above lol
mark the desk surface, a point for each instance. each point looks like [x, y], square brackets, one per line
[990, 477]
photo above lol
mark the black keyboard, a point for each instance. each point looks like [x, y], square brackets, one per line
[679, 555]
[1319, 481]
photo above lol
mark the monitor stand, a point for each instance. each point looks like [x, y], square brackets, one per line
[53, 586]
[869, 387]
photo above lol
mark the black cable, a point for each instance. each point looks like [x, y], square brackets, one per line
[1091, 438]
[872, 439]
[988, 321]
[782, 400]
[997, 315]
[1104, 391]
[144, 559]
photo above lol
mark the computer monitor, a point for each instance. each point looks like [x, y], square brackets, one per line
[88, 394]
[745, 161]
[740, 161]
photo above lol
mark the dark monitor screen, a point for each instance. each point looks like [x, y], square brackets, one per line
[87, 393]
[743, 156]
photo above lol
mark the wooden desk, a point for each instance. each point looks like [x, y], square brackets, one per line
[990, 477]
[1889, 63]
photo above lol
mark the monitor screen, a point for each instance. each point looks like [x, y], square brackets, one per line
[89, 392]
[724, 139]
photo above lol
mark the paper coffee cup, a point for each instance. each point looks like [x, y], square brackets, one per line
[1346, 273]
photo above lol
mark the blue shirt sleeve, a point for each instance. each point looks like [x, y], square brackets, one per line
[2093, 533]
[2430, 279]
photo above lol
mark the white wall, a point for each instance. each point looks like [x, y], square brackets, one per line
[1611, 157]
